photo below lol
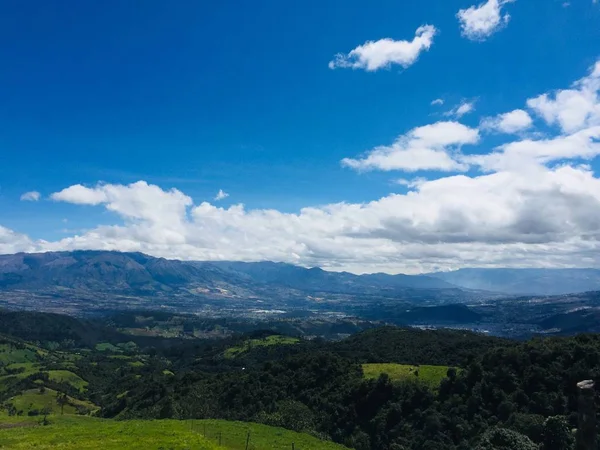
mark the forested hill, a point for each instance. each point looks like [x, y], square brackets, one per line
[382, 389]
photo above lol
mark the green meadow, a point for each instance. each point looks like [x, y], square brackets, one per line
[268, 341]
[430, 375]
[74, 433]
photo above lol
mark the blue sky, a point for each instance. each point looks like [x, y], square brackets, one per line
[202, 97]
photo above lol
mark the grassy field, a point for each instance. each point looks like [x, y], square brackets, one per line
[10, 355]
[262, 437]
[25, 369]
[28, 368]
[232, 352]
[430, 375]
[73, 432]
[33, 399]
[136, 364]
[106, 346]
[66, 376]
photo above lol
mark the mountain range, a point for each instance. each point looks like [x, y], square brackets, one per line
[91, 282]
[136, 272]
[524, 281]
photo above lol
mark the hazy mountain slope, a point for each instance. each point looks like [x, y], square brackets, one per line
[585, 320]
[102, 271]
[105, 271]
[525, 281]
[318, 279]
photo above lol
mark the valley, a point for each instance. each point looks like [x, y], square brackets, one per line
[97, 283]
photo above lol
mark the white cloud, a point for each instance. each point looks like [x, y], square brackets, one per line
[461, 109]
[510, 122]
[528, 202]
[437, 101]
[425, 148]
[572, 109]
[137, 203]
[12, 242]
[221, 195]
[32, 196]
[375, 55]
[528, 155]
[412, 183]
[479, 22]
[548, 216]
[80, 195]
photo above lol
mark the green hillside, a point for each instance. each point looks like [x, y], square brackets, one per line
[36, 400]
[71, 433]
[9, 354]
[66, 376]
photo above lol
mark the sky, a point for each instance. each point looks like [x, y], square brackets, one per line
[385, 136]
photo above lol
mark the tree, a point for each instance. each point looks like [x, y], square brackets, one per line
[62, 400]
[557, 435]
[504, 439]
[46, 410]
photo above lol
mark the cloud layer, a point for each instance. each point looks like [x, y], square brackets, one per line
[375, 55]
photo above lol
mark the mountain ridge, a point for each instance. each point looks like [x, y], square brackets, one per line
[525, 281]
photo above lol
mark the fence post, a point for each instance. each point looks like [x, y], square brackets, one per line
[586, 429]
[293, 446]
[247, 440]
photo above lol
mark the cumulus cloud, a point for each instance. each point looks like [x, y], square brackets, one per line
[510, 122]
[571, 109]
[437, 101]
[479, 22]
[430, 147]
[12, 242]
[527, 154]
[80, 195]
[32, 196]
[375, 55]
[527, 202]
[221, 195]
[461, 109]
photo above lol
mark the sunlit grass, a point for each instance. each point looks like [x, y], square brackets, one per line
[430, 375]
[232, 352]
[72, 432]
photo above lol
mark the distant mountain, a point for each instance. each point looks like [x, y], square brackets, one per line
[317, 279]
[102, 271]
[139, 274]
[524, 281]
